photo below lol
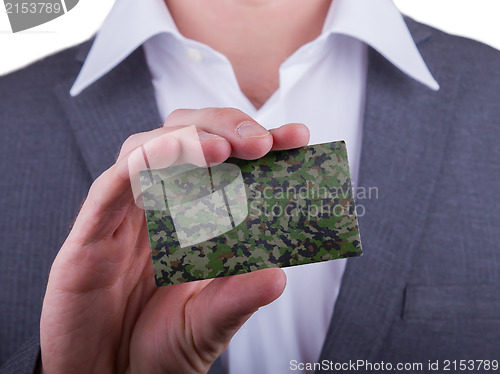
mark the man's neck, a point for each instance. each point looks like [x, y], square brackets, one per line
[255, 35]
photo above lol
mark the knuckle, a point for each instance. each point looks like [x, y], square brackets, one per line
[96, 184]
[129, 144]
[175, 114]
[228, 116]
[215, 113]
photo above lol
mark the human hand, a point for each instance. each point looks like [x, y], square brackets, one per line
[102, 312]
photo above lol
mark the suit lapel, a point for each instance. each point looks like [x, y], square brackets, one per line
[405, 131]
[119, 104]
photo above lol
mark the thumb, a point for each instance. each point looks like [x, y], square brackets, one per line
[225, 304]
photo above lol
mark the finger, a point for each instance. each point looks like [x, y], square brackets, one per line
[248, 139]
[292, 135]
[221, 308]
[216, 149]
[110, 195]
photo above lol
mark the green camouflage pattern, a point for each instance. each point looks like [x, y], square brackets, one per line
[295, 207]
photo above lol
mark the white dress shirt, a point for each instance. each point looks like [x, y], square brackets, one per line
[322, 85]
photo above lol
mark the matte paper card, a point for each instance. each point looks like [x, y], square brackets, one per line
[287, 208]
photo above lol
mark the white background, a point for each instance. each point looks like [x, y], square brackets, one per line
[476, 19]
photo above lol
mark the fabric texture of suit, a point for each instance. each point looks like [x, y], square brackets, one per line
[428, 284]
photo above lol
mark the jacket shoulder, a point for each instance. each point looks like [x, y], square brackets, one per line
[469, 75]
[459, 55]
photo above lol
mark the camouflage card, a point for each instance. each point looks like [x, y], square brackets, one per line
[288, 208]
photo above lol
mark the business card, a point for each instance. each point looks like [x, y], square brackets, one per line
[287, 208]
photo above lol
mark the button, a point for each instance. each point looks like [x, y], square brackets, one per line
[194, 55]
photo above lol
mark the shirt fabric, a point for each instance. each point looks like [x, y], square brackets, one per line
[322, 84]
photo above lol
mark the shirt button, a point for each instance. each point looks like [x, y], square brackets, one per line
[194, 55]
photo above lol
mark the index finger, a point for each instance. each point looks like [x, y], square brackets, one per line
[110, 196]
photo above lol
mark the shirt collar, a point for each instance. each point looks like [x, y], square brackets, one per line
[378, 23]
[129, 24]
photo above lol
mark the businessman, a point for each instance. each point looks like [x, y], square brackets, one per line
[418, 110]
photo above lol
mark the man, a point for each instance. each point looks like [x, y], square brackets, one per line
[426, 290]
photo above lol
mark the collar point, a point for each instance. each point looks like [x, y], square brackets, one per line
[434, 85]
[75, 90]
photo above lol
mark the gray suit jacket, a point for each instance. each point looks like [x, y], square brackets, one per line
[428, 284]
